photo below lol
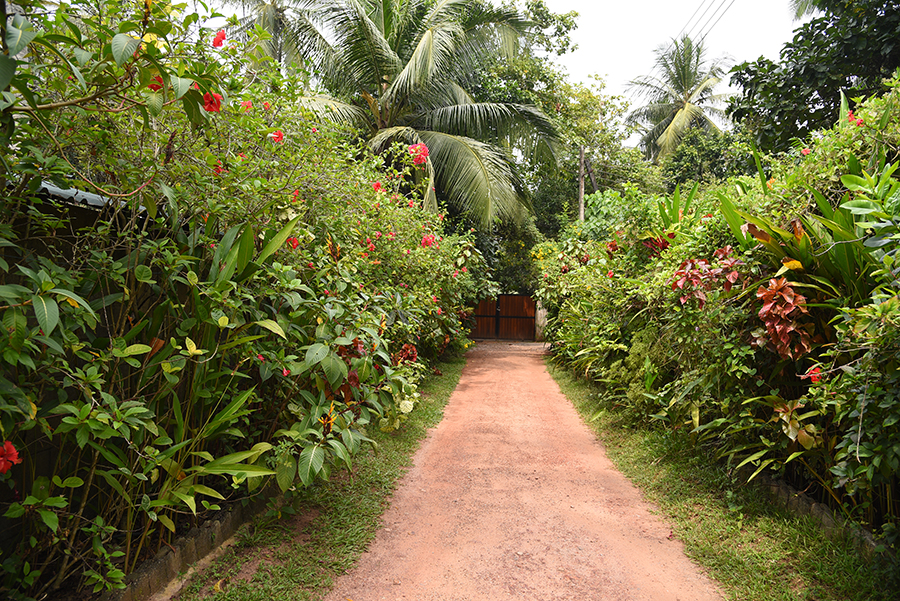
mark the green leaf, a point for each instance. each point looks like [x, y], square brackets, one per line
[316, 353]
[137, 349]
[123, 47]
[154, 104]
[271, 326]
[167, 522]
[285, 471]
[180, 86]
[335, 369]
[77, 299]
[205, 490]
[49, 518]
[19, 34]
[310, 464]
[144, 274]
[47, 312]
[278, 240]
[7, 70]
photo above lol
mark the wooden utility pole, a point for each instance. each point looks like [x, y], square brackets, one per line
[581, 184]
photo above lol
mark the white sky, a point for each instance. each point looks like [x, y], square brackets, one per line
[616, 40]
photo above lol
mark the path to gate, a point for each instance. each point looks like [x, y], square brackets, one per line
[512, 497]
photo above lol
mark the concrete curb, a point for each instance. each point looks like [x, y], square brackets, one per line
[170, 562]
[833, 525]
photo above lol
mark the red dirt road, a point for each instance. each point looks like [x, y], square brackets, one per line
[512, 497]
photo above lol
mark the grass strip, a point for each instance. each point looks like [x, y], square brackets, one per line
[295, 554]
[755, 549]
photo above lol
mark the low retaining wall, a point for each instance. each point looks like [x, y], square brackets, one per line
[171, 562]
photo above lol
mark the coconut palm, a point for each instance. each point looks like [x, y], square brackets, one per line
[398, 70]
[680, 99]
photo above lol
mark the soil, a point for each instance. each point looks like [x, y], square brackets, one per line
[513, 497]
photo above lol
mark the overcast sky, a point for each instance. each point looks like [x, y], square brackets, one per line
[616, 39]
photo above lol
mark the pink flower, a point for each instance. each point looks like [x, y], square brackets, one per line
[456, 273]
[266, 106]
[295, 194]
[411, 204]
[261, 358]
[212, 103]
[9, 457]
[464, 269]
[439, 311]
[156, 87]
[391, 235]
[277, 136]
[309, 264]
[850, 117]
[427, 240]
[247, 105]
[377, 235]
[377, 187]
[219, 39]
[609, 273]
[859, 123]
[434, 298]
[805, 151]
[285, 372]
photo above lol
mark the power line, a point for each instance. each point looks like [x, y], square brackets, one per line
[703, 37]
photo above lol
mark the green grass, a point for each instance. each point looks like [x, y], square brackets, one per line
[756, 550]
[321, 532]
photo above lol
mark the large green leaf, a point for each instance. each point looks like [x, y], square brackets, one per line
[285, 471]
[46, 311]
[7, 70]
[278, 240]
[19, 33]
[310, 464]
[123, 47]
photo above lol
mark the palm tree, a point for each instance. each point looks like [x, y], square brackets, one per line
[680, 99]
[398, 70]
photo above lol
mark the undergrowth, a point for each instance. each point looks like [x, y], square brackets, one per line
[294, 553]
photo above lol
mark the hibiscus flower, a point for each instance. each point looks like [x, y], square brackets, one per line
[9, 456]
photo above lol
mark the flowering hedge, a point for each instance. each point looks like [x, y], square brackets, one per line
[251, 295]
[757, 316]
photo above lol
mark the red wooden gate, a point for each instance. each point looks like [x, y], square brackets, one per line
[510, 317]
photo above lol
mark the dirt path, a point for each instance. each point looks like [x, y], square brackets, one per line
[512, 497]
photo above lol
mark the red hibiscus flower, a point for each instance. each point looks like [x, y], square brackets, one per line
[247, 105]
[9, 456]
[277, 136]
[156, 87]
[212, 103]
[293, 242]
[266, 106]
[219, 40]
[377, 187]
[805, 151]
[419, 152]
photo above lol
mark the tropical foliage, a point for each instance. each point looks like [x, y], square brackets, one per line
[850, 50]
[753, 317]
[681, 98]
[400, 71]
[204, 290]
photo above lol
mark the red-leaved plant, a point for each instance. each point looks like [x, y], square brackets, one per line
[781, 308]
[696, 276]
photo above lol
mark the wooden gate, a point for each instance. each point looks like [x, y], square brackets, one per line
[510, 317]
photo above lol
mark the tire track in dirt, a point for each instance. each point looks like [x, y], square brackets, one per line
[512, 497]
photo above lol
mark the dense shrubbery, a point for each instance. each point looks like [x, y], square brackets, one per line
[255, 293]
[758, 315]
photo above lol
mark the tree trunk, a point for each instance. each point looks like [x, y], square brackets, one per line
[581, 184]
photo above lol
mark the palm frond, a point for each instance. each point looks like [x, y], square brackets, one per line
[478, 177]
[517, 125]
[326, 107]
